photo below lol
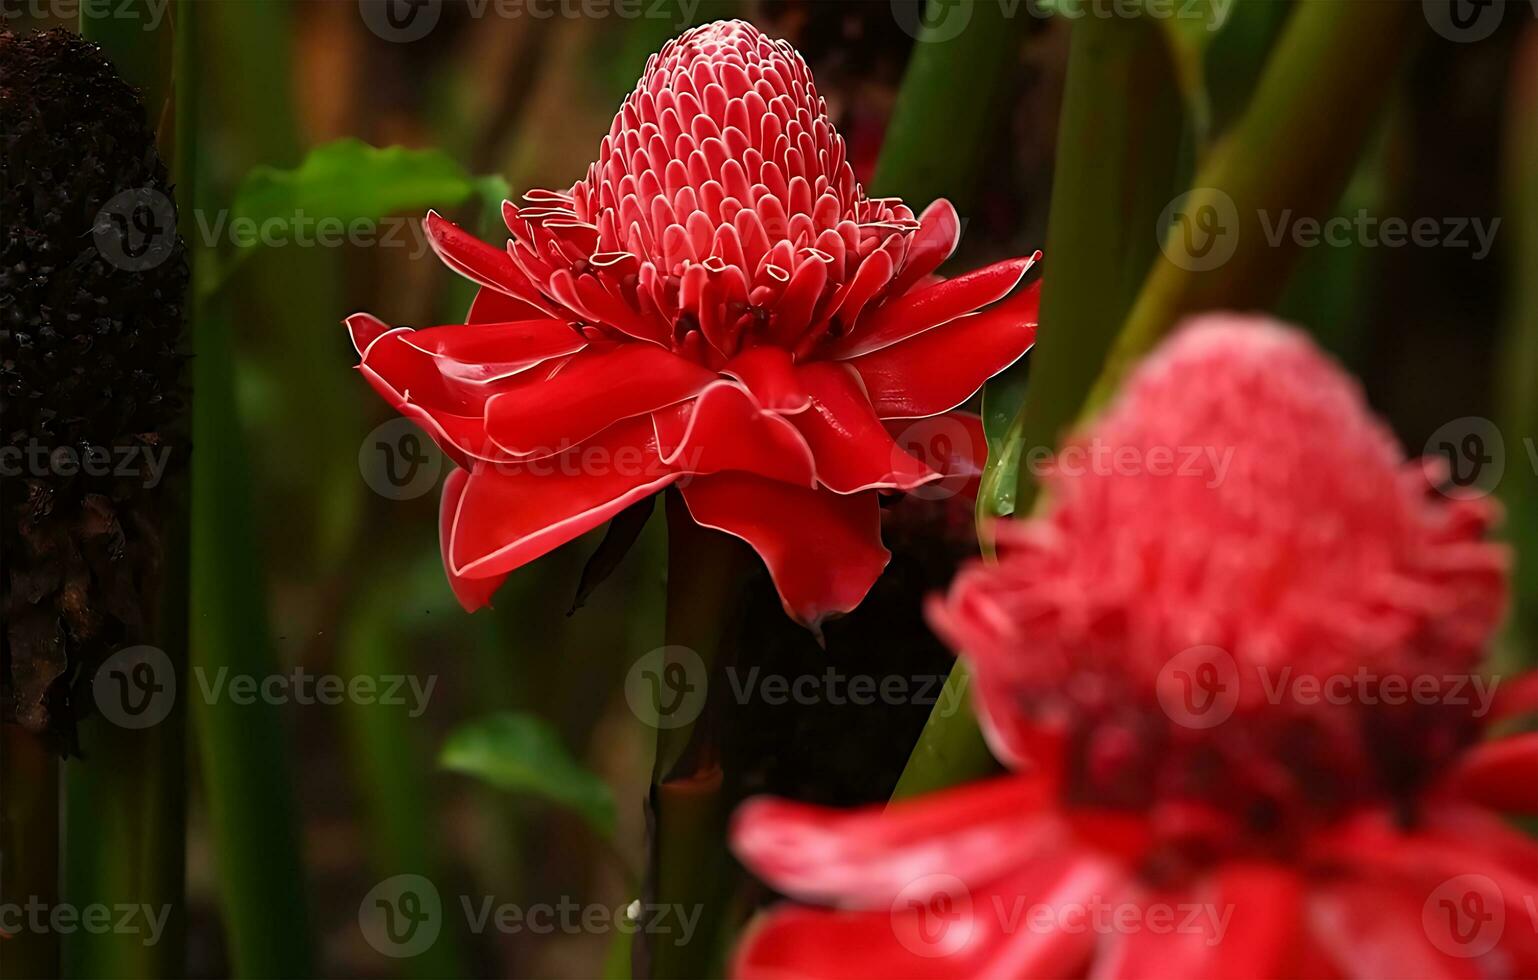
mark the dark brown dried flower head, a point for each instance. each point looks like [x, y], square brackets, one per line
[92, 282]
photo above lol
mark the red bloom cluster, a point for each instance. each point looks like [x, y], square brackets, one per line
[718, 305]
[1234, 670]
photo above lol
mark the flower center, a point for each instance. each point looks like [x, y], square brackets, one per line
[1218, 775]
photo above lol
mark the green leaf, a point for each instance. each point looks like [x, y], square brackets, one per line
[349, 180]
[523, 754]
[1003, 398]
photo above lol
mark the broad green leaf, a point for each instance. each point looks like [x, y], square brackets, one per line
[523, 754]
[350, 180]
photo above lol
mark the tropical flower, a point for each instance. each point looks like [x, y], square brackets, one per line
[716, 305]
[1233, 671]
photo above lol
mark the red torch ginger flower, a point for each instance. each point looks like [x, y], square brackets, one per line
[716, 304]
[1233, 670]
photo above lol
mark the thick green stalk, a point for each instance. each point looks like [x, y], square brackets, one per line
[1286, 159]
[29, 850]
[245, 749]
[948, 113]
[690, 865]
[1283, 157]
[1519, 486]
[389, 757]
[1117, 158]
[138, 856]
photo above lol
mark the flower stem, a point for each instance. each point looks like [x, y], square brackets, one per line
[29, 848]
[1282, 153]
[1117, 154]
[690, 867]
[1520, 360]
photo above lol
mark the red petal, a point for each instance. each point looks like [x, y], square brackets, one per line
[435, 377]
[939, 927]
[1464, 877]
[823, 550]
[489, 352]
[937, 237]
[495, 306]
[593, 391]
[724, 429]
[770, 374]
[941, 368]
[926, 308]
[864, 858]
[511, 514]
[1516, 698]
[1376, 930]
[1246, 921]
[475, 260]
[1501, 775]
[472, 593]
[853, 450]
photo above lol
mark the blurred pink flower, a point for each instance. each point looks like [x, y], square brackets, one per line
[1159, 661]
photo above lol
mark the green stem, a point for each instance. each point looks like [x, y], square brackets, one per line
[388, 756]
[245, 750]
[1283, 154]
[947, 118]
[1287, 153]
[690, 866]
[29, 849]
[1520, 354]
[1117, 156]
